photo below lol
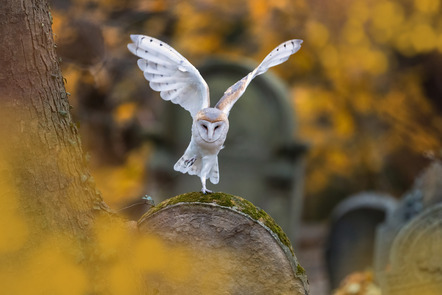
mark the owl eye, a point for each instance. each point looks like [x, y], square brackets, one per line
[216, 127]
[205, 126]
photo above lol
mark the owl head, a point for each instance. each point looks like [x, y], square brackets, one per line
[211, 124]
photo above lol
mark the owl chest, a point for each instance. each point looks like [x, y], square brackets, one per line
[208, 148]
[205, 148]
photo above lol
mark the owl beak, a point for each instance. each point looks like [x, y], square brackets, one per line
[210, 133]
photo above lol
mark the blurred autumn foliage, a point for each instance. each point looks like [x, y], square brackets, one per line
[360, 283]
[366, 86]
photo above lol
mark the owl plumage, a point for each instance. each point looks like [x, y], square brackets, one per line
[180, 82]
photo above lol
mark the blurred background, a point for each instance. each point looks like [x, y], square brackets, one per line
[357, 109]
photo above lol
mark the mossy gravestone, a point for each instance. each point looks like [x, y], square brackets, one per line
[236, 248]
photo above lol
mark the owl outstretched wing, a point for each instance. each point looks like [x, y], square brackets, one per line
[279, 55]
[170, 73]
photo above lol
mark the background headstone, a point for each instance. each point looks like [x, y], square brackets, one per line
[262, 160]
[415, 218]
[351, 240]
[416, 256]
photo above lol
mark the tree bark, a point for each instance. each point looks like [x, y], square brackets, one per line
[41, 160]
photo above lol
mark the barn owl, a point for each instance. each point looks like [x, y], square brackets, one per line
[178, 81]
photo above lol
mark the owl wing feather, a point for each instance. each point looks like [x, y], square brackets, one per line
[278, 55]
[171, 74]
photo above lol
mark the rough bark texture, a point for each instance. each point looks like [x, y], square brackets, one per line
[238, 245]
[41, 160]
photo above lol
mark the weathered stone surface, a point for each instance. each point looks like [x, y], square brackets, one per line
[416, 256]
[409, 245]
[238, 246]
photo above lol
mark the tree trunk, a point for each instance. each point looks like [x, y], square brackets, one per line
[42, 167]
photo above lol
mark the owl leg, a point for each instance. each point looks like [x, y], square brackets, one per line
[203, 176]
[204, 189]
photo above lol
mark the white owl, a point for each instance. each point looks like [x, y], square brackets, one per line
[179, 81]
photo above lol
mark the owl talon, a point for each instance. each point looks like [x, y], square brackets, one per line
[206, 191]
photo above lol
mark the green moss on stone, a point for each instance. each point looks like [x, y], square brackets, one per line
[300, 271]
[230, 201]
